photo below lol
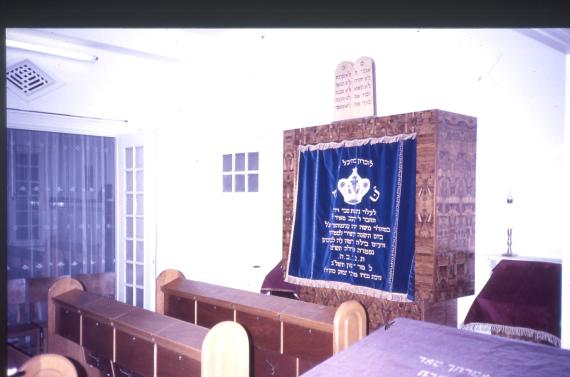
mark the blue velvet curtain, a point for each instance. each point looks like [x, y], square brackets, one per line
[354, 225]
[61, 206]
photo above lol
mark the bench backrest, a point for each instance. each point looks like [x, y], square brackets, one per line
[288, 336]
[121, 339]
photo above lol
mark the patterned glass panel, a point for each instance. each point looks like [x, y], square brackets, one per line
[227, 163]
[240, 183]
[34, 173]
[129, 244]
[227, 183]
[240, 162]
[21, 233]
[35, 233]
[253, 161]
[140, 293]
[140, 180]
[129, 158]
[140, 251]
[129, 272]
[22, 218]
[140, 204]
[140, 227]
[130, 227]
[140, 274]
[139, 157]
[129, 177]
[253, 182]
[129, 204]
[22, 158]
[129, 292]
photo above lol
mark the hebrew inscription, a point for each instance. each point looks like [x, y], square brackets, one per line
[355, 94]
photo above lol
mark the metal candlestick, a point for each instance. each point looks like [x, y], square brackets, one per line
[509, 252]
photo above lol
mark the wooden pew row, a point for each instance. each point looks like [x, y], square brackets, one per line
[288, 336]
[28, 301]
[110, 338]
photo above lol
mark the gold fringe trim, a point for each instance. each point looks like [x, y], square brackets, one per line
[356, 143]
[538, 336]
[356, 289]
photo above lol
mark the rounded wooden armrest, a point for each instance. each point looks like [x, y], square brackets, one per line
[225, 351]
[59, 287]
[349, 325]
[48, 365]
[164, 278]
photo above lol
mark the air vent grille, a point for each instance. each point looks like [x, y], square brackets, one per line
[26, 79]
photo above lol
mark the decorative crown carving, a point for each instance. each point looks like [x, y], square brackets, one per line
[353, 188]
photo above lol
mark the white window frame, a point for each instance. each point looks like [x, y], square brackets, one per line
[232, 173]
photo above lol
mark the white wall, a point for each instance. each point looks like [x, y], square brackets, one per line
[239, 89]
[566, 209]
[512, 84]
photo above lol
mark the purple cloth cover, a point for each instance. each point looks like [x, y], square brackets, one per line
[522, 294]
[415, 348]
[274, 282]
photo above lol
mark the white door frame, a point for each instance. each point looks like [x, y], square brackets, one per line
[146, 218]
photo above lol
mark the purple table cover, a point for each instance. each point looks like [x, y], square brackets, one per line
[274, 282]
[422, 349]
[521, 294]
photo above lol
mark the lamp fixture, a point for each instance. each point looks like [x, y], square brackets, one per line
[51, 51]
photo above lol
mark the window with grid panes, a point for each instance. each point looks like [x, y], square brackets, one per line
[27, 194]
[240, 172]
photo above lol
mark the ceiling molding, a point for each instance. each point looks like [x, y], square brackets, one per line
[67, 123]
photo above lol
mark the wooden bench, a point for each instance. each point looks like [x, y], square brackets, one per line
[288, 336]
[28, 302]
[21, 332]
[110, 338]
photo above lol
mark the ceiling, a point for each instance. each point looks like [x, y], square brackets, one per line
[179, 44]
[182, 39]
[557, 38]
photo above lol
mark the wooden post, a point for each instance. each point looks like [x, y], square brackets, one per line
[225, 351]
[60, 286]
[164, 278]
[349, 325]
[48, 364]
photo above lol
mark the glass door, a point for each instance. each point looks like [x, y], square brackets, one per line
[136, 245]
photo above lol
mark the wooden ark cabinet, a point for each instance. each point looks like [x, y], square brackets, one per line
[445, 209]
